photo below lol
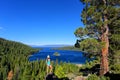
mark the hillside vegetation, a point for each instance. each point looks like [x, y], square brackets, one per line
[14, 63]
[14, 57]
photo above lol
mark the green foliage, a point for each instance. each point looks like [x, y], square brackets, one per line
[93, 77]
[59, 71]
[96, 16]
[69, 68]
[62, 69]
[115, 62]
[115, 68]
[116, 38]
[91, 47]
[90, 64]
[80, 32]
[14, 56]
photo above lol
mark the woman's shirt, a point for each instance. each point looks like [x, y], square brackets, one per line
[48, 62]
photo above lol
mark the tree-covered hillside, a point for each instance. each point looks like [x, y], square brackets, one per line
[12, 47]
[14, 64]
[13, 58]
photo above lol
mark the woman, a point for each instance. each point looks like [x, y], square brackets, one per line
[49, 67]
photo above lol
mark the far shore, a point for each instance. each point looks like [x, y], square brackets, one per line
[79, 65]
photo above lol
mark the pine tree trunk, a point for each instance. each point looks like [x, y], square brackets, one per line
[104, 68]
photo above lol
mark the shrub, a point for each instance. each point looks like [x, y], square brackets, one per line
[93, 77]
[59, 72]
[104, 78]
[115, 68]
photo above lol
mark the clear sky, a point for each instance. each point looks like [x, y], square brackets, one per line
[40, 22]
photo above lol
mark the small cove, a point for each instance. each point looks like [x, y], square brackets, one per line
[70, 56]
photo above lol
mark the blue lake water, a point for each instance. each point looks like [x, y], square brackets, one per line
[65, 55]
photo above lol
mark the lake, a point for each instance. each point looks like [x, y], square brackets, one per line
[65, 55]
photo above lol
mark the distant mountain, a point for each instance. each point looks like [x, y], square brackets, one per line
[56, 45]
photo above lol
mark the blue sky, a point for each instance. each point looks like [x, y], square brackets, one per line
[40, 22]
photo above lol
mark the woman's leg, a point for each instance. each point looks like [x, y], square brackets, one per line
[47, 69]
[50, 68]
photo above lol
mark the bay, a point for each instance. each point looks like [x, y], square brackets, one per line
[65, 55]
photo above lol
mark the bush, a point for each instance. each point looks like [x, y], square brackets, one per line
[104, 78]
[115, 68]
[63, 69]
[59, 72]
[93, 77]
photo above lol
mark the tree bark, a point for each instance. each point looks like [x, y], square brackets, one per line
[104, 68]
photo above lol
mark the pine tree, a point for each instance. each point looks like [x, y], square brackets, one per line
[102, 20]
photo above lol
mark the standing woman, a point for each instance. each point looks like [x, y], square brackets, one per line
[49, 67]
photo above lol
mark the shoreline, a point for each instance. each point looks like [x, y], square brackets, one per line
[79, 65]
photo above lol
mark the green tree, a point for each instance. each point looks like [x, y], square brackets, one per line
[14, 57]
[102, 20]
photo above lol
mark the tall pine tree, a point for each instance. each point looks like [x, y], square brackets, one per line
[102, 22]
